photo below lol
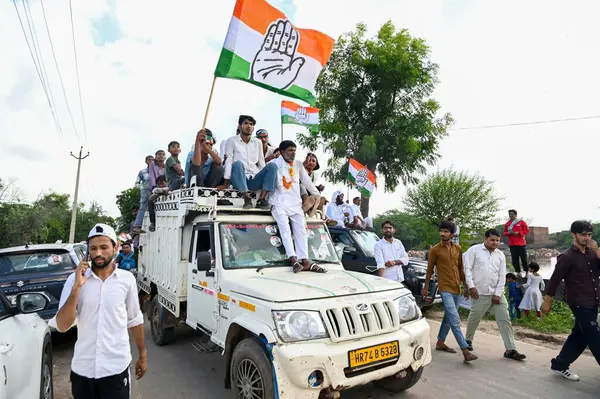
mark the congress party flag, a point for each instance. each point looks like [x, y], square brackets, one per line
[296, 114]
[264, 48]
[361, 177]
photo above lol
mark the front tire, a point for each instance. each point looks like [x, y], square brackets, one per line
[251, 371]
[46, 380]
[400, 384]
[160, 336]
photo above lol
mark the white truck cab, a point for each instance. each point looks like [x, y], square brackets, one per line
[222, 270]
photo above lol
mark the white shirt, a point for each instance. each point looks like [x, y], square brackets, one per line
[105, 310]
[356, 211]
[289, 202]
[385, 251]
[485, 270]
[251, 154]
[270, 151]
[336, 212]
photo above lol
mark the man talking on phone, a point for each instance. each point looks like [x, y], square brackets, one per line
[103, 300]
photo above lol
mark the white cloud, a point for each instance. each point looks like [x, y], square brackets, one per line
[500, 63]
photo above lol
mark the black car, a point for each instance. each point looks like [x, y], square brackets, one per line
[355, 249]
[41, 268]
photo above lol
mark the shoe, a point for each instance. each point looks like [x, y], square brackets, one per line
[513, 354]
[152, 227]
[470, 347]
[138, 230]
[263, 204]
[224, 202]
[566, 374]
[248, 203]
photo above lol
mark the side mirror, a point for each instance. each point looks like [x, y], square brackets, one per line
[350, 250]
[31, 302]
[203, 261]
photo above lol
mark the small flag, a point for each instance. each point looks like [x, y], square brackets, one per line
[362, 178]
[292, 113]
[262, 47]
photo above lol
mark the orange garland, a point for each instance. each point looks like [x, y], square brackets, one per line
[288, 184]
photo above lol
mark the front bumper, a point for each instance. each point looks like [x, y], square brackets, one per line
[294, 363]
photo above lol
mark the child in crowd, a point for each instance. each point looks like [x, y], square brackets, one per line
[515, 295]
[533, 296]
[125, 259]
[160, 189]
[174, 173]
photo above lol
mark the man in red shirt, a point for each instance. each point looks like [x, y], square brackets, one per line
[516, 229]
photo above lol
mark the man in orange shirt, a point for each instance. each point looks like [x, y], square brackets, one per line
[516, 230]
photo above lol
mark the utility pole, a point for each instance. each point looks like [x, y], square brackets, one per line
[74, 211]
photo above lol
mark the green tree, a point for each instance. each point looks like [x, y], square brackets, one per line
[88, 217]
[376, 106]
[126, 200]
[414, 233]
[469, 197]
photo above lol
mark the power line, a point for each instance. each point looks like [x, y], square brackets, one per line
[529, 123]
[77, 70]
[62, 85]
[37, 68]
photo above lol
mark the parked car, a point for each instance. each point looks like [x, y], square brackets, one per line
[25, 348]
[42, 268]
[355, 249]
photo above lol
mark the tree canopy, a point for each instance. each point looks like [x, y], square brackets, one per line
[126, 200]
[376, 106]
[469, 197]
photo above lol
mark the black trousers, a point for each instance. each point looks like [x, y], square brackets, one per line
[519, 253]
[585, 333]
[112, 387]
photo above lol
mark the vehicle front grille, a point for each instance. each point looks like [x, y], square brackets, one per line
[349, 322]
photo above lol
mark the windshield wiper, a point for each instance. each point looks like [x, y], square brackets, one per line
[273, 262]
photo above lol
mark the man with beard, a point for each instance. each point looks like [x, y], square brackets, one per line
[390, 254]
[104, 302]
[337, 209]
[579, 267]
[446, 257]
[245, 165]
[287, 206]
[485, 273]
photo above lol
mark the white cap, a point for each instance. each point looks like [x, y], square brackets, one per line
[102, 229]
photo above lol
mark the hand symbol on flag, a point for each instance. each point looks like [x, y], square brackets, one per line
[301, 115]
[274, 64]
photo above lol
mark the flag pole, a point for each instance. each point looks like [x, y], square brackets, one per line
[281, 131]
[212, 88]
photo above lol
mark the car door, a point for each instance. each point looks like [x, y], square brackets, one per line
[202, 295]
[19, 358]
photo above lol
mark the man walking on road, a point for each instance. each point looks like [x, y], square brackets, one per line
[516, 230]
[485, 273]
[390, 254]
[446, 257]
[579, 267]
[104, 301]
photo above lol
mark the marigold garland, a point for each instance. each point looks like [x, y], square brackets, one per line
[288, 184]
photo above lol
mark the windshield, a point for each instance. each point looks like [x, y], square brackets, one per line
[366, 240]
[255, 245]
[35, 262]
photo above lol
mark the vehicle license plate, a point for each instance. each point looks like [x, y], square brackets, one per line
[373, 354]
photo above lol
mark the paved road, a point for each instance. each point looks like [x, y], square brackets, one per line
[179, 372]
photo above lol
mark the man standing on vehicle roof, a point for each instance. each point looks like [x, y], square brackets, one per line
[287, 206]
[446, 257]
[390, 254]
[104, 301]
[245, 165]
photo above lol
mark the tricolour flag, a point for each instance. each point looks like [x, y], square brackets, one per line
[296, 114]
[262, 47]
[362, 178]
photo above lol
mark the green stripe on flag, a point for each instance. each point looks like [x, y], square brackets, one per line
[290, 120]
[232, 66]
[361, 190]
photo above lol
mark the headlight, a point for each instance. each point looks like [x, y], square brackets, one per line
[407, 308]
[296, 325]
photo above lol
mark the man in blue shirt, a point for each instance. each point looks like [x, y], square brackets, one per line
[204, 162]
[125, 259]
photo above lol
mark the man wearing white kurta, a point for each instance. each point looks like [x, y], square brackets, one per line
[359, 221]
[287, 206]
[337, 209]
[390, 254]
[485, 274]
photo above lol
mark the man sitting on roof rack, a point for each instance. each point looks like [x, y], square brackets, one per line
[287, 206]
[245, 165]
[338, 213]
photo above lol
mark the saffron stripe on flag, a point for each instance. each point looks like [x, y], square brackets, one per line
[292, 106]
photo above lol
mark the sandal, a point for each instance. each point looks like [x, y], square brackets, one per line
[445, 349]
[316, 268]
[262, 204]
[470, 357]
[297, 267]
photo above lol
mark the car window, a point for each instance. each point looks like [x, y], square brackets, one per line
[366, 240]
[35, 262]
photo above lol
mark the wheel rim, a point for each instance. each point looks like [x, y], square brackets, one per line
[249, 381]
[46, 382]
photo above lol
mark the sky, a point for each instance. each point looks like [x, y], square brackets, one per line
[146, 69]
